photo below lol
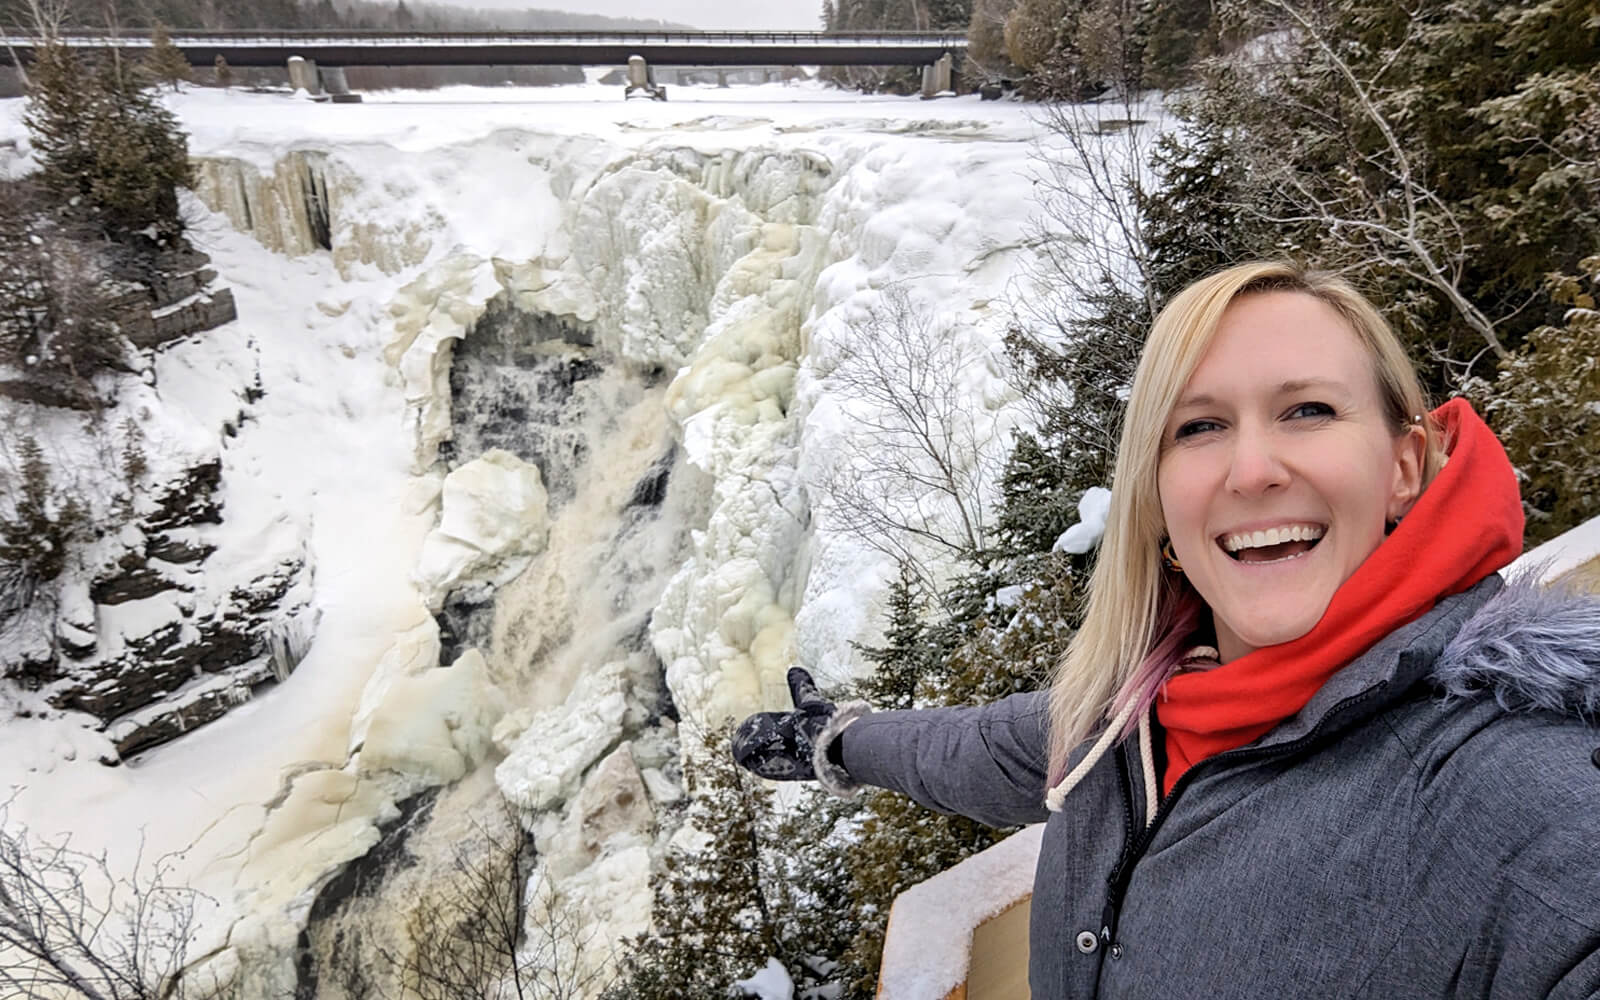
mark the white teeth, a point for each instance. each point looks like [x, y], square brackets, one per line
[1273, 536]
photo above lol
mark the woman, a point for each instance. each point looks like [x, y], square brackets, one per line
[1307, 742]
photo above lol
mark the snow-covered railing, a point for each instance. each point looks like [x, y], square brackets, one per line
[963, 934]
[1572, 557]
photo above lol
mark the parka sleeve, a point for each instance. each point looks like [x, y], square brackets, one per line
[988, 763]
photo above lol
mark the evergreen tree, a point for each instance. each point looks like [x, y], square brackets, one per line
[1445, 157]
[1003, 651]
[26, 285]
[712, 921]
[166, 63]
[56, 299]
[900, 844]
[1178, 34]
[908, 653]
[36, 531]
[1079, 382]
[106, 145]
[1543, 407]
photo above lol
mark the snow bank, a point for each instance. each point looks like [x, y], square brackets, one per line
[1562, 554]
[771, 983]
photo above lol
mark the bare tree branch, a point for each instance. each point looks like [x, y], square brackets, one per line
[918, 467]
[69, 926]
[1380, 203]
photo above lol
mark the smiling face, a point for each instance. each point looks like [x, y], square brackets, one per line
[1279, 468]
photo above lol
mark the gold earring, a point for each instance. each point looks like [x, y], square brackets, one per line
[1170, 557]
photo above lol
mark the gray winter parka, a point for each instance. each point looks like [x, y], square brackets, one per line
[1427, 826]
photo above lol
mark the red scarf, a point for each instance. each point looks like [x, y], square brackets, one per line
[1466, 525]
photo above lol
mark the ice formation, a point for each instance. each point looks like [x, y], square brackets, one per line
[493, 521]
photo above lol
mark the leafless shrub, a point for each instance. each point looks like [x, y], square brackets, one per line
[70, 928]
[486, 932]
[917, 468]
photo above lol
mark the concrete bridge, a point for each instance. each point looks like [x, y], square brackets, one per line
[305, 51]
[534, 48]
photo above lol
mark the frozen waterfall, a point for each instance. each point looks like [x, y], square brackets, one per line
[546, 399]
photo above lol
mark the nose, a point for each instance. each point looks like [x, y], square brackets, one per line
[1255, 465]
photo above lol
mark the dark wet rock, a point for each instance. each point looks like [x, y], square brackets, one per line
[651, 488]
[515, 384]
[230, 639]
[175, 550]
[188, 501]
[464, 624]
[132, 579]
[324, 948]
[204, 703]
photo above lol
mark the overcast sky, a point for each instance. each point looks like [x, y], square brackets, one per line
[789, 15]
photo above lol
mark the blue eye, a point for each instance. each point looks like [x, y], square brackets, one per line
[1194, 427]
[1312, 410]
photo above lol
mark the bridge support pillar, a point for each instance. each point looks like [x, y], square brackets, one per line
[338, 88]
[303, 75]
[641, 81]
[936, 78]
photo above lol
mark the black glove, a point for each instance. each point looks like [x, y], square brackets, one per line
[779, 745]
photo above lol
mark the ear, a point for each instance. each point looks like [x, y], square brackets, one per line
[1410, 450]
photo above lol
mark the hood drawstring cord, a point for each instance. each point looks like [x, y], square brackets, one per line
[1147, 767]
[1147, 763]
[1108, 736]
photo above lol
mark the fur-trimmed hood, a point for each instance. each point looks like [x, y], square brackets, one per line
[1532, 647]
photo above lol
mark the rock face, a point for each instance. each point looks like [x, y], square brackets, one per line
[143, 645]
[141, 631]
[613, 801]
[175, 300]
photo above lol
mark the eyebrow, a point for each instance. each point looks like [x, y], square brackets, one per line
[1285, 388]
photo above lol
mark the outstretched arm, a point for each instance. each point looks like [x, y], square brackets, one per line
[988, 763]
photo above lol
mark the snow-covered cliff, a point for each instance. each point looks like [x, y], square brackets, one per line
[546, 400]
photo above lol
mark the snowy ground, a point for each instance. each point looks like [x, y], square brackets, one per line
[933, 193]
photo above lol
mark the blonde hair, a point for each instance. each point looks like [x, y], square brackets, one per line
[1125, 649]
